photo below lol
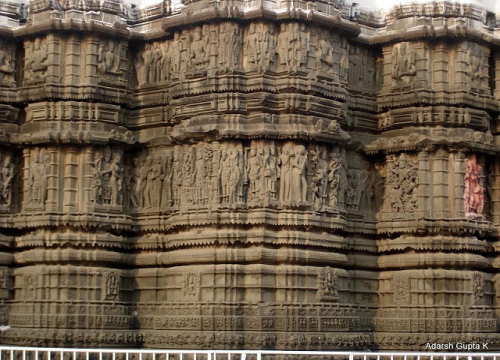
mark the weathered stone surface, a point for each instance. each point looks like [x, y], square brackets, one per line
[247, 174]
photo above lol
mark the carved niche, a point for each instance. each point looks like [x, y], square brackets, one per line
[328, 285]
[7, 65]
[36, 61]
[37, 169]
[403, 64]
[401, 184]
[111, 285]
[106, 186]
[109, 62]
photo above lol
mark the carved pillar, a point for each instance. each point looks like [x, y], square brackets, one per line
[53, 185]
[424, 188]
[88, 162]
[458, 179]
[493, 187]
[73, 61]
[71, 177]
[26, 197]
[439, 194]
[440, 64]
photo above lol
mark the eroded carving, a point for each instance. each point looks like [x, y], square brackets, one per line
[474, 190]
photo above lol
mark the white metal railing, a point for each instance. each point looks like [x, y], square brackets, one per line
[40, 353]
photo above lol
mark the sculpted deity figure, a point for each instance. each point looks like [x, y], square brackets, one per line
[6, 67]
[224, 171]
[7, 175]
[108, 61]
[116, 180]
[355, 64]
[164, 64]
[197, 57]
[200, 176]
[301, 45]
[284, 50]
[252, 46]
[270, 172]
[236, 163]
[148, 176]
[235, 48]
[338, 180]
[344, 61]
[156, 61]
[177, 49]
[269, 46]
[177, 177]
[474, 190]
[284, 173]
[254, 167]
[298, 175]
[144, 66]
[36, 64]
[403, 65]
[168, 177]
[37, 180]
[402, 178]
[133, 181]
[224, 40]
[106, 169]
[324, 53]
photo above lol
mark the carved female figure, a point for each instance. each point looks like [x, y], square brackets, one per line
[285, 173]
[298, 176]
[7, 174]
[270, 171]
[474, 191]
[254, 167]
[224, 172]
[252, 45]
[38, 179]
[116, 181]
[108, 61]
[6, 69]
[36, 64]
[166, 199]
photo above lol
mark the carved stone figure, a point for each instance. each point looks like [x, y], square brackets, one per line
[108, 60]
[197, 54]
[7, 176]
[254, 174]
[298, 184]
[252, 46]
[37, 180]
[402, 183]
[403, 64]
[6, 67]
[270, 172]
[36, 64]
[474, 190]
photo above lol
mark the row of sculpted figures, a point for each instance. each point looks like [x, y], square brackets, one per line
[266, 172]
[258, 47]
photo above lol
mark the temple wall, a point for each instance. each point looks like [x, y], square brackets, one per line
[248, 174]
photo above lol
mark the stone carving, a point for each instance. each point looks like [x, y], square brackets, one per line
[186, 177]
[402, 183]
[474, 190]
[6, 66]
[403, 64]
[36, 63]
[327, 285]
[37, 178]
[107, 178]
[7, 177]
[112, 285]
[108, 60]
[191, 285]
